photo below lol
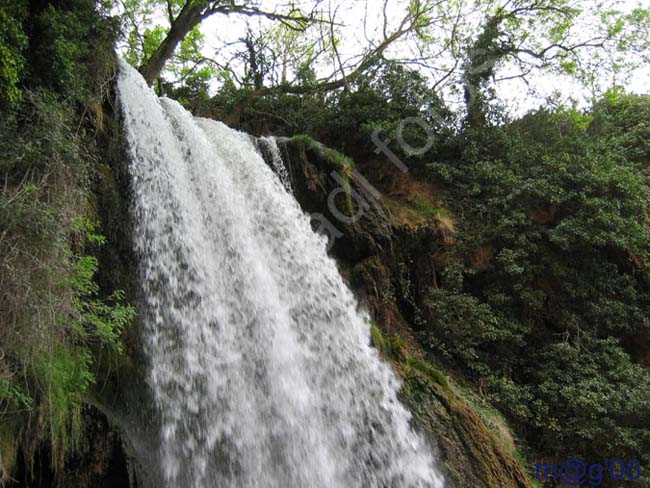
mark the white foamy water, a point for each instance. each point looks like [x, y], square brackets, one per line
[271, 146]
[259, 359]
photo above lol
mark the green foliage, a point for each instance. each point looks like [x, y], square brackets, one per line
[14, 396]
[548, 277]
[188, 75]
[69, 38]
[98, 319]
[54, 320]
[52, 333]
[13, 42]
[624, 120]
[63, 375]
[549, 36]
[49, 143]
[586, 398]
[60, 31]
[460, 328]
[386, 99]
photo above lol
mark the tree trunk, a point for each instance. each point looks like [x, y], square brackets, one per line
[475, 105]
[187, 19]
[483, 56]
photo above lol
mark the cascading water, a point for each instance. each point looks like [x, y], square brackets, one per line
[270, 146]
[259, 360]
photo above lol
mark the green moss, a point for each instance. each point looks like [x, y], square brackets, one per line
[424, 207]
[428, 370]
[339, 160]
[377, 338]
[344, 164]
[393, 347]
[305, 139]
[473, 454]
[335, 158]
[495, 421]
[398, 348]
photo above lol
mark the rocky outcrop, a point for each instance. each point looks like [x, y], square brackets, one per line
[389, 232]
[97, 462]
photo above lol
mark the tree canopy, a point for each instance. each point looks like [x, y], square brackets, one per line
[464, 46]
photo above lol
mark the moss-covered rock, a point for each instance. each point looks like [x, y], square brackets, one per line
[324, 183]
[472, 454]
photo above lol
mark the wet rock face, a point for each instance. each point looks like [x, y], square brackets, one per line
[355, 220]
[389, 256]
[385, 246]
[101, 461]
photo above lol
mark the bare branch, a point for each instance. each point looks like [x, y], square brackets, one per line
[170, 12]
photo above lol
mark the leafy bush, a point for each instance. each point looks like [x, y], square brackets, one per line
[548, 279]
[385, 98]
[72, 44]
[624, 120]
[13, 42]
[585, 399]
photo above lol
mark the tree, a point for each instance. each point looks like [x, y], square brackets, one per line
[473, 45]
[550, 261]
[544, 35]
[183, 17]
[154, 48]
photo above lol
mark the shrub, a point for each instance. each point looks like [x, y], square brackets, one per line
[13, 42]
[548, 279]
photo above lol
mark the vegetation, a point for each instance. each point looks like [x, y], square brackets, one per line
[540, 302]
[543, 296]
[394, 349]
[377, 101]
[551, 263]
[55, 321]
[338, 160]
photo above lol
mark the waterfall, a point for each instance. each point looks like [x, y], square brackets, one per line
[269, 146]
[258, 357]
